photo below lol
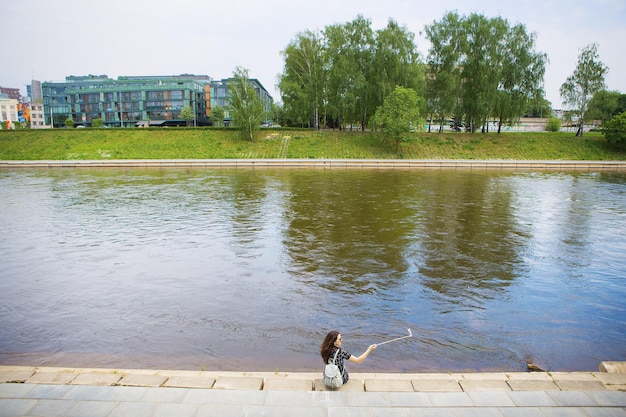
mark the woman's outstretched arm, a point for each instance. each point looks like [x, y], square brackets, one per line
[359, 359]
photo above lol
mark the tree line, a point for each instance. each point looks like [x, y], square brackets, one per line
[479, 74]
[477, 69]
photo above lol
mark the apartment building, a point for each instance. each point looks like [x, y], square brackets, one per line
[127, 101]
[219, 96]
[8, 110]
[130, 101]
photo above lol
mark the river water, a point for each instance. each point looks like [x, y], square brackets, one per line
[249, 269]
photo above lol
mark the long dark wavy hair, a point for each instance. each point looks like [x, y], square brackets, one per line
[328, 345]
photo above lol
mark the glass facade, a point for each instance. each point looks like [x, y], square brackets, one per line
[127, 101]
[138, 100]
[219, 96]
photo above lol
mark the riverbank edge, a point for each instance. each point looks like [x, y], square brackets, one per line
[412, 164]
[611, 376]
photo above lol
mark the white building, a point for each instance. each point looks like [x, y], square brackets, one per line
[8, 110]
[37, 119]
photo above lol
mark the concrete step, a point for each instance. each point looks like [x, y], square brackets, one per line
[614, 380]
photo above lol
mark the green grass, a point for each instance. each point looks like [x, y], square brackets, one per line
[203, 143]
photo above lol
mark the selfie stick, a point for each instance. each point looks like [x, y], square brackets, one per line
[397, 338]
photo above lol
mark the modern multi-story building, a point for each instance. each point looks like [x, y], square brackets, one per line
[8, 110]
[127, 101]
[34, 91]
[219, 96]
[13, 93]
[136, 100]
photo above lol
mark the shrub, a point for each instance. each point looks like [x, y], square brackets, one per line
[554, 125]
[615, 129]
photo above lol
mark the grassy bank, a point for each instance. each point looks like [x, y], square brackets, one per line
[200, 143]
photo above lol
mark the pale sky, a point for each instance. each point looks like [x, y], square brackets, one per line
[50, 39]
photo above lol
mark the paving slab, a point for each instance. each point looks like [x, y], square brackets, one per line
[610, 377]
[117, 393]
[134, 409]
[141, 380]
[227, 397]
[238, 383]
[530, 376]
[573, 376]
[177, 410]
[15, 390]
[331, 399]
[220, 410]
[484, 385]
[353, 385]
[532, 399]
[182, 381]
[165, 395]
[97, 378]
[566, 385]
[450, 399]
[609, 398]
[489, 376]
[612, 381]
[604, 412]
[431, 376]
[88, 392]
[613, 367]
[491, 399]
[369, 399]
[55, 407]
[532, 385]
[93, 409]
[521, 412]
[16, 407]
[16, 373]
[572, 399]
[409, 399]
[436, 385]
[388, 385]
[46, 391]
[290, 399]
[284, 384]
[61, 376]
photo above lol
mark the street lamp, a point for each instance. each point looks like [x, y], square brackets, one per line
[194, 109]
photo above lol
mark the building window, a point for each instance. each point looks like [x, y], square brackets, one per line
[131, 96]
[154, 95]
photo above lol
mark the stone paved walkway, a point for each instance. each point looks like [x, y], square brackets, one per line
[30, 391]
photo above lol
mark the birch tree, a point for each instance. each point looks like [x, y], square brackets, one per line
[587, 79]
[303, 81]
[245, 104]
[487, 66]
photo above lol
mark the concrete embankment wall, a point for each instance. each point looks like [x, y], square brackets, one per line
[414, 164]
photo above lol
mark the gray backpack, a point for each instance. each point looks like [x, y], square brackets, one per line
[332, 377]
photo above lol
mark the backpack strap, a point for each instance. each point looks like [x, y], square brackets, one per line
[335, 357]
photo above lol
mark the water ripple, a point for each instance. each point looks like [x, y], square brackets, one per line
[237, 269]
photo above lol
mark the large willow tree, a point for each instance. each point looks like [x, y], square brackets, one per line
[302, 84]
[340, 76]
[482, 68]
